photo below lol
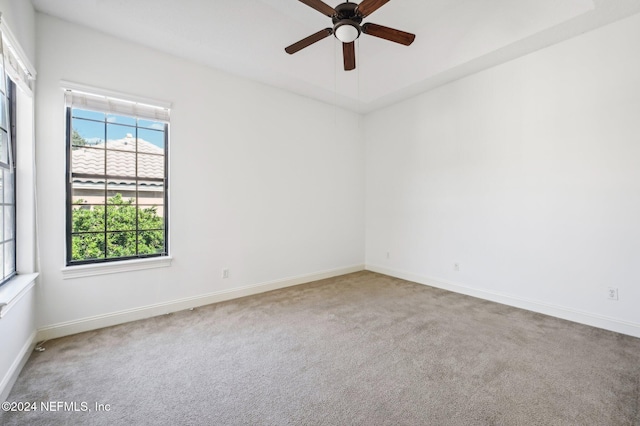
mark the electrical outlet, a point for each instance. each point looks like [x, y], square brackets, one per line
[456, 267]
[612, 293]
[225, 273]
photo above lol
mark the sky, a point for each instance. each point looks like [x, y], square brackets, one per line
[118, 127]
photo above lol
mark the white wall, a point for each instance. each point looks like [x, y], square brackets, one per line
[263, 182]
[527, 175]
[17, 334]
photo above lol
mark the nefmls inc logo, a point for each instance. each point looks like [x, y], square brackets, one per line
[64, 406]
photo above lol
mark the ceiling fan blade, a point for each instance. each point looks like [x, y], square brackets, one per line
[388, 33]
[308, 41]
[367, 7]
[320, 6]
[349, 53]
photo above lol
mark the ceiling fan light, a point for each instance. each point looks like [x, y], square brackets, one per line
[346, 32]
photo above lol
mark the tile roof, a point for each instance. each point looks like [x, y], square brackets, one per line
[121, 159]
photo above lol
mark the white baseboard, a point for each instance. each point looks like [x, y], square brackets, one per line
[14, 371]
[115, 318]
[594, 320]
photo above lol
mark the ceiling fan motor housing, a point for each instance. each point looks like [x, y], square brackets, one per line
[346, 17]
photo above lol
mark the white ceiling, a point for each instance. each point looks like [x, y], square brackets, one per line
[454, 38]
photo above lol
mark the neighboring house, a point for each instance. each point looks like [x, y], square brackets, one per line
[121, 160]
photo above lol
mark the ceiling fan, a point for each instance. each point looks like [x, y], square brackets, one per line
[347, 18]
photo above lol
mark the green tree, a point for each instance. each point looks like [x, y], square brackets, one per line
[120, 238]
[77, 139]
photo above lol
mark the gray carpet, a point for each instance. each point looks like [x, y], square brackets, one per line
[362, 349]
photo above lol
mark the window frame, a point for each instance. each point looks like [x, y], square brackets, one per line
[69, 196]
[11, 105]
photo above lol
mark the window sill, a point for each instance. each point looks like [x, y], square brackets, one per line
[80, 271]
[13, 290]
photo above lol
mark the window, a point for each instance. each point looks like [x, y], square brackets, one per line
[17, 77]
[117, 179]
[7, 180]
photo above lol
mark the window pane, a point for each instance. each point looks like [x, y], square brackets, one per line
[151, 242]
[6, 182]
[2, 276]
[3, 112]
[150, 166]
[83, 113]
[121, 244]
[121, 217]
[2, 227]
[121, 163]
[87, 191]
[87, 246]
[87, 219]
[121, 119]
[121, 137]
[121, 191]
[150, 217]
[87, 160]
[9, 222]
[87, 133]
[153, 141]
[3, 88]
[9, 258]
[150, 192]
[4, 147]
[155, 125]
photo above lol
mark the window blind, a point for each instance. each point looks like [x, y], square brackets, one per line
[93, 99]
[16, 65]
